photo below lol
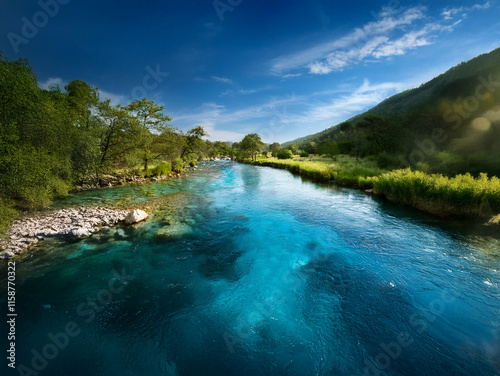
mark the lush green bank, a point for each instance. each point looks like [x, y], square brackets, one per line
[343, 170]
[462, 195]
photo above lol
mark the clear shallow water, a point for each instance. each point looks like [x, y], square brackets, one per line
[279, 277]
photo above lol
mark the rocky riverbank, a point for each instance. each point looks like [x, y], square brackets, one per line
[74, 223]
[107, 181]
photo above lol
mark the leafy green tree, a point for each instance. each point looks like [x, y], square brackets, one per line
[293, 148]
[194, 146]
[118, 133]
[275, 147]
[152, 122]
[252, 143]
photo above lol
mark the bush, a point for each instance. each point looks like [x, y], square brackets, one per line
[193, 163]
[177, 165]
[304, 154]
[285, 154]
[462, 194]
[264, 153]
[7, 215]
[162, 169]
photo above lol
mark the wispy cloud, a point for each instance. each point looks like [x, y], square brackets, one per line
[223, 80]
[450, 13]
[349, 104]
[292, 110]
[392, 34]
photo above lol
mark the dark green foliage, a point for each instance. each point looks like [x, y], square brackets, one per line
[285, 154]
[304, 154]
[389, 161]
[328, 147]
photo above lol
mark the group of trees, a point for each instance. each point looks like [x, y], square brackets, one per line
[51, 140]
[372, 135]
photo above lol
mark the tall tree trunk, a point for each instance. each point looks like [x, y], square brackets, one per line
[145, 163]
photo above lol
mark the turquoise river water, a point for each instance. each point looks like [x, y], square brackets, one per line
[269, 275]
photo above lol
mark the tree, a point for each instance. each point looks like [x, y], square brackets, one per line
[346, 128]
[293, 148]
[251, 142]
[194, 143]
[117, 134]
[275, 147]
[328, 147]
[152, 122]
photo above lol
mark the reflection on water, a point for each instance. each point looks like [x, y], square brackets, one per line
[269, 275]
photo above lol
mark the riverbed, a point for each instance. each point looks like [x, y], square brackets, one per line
[271, 275]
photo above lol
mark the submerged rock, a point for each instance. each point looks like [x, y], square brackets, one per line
[173, 231]
[494, 221]
[135, 216]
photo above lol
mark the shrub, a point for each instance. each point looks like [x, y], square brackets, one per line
[7, 215]
[162, 169]
[177, 165]
[304, 154]
[193, 163]
[285, 154]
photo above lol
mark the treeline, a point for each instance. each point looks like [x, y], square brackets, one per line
[52, 140]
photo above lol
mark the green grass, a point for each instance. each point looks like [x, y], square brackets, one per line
[462, 195]
[343, 170]
[438, 194]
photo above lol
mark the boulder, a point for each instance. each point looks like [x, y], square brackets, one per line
[135, 216]
[81, 232]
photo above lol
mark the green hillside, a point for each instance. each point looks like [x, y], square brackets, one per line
[450, 124]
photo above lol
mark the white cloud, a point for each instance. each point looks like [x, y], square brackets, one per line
[247, 91]
[115, 98]
[449, 13]
[348, 105]
[223, 80]
[395, 33]
[290, 75]
[289, 111]
[54, 81]
[311, 56]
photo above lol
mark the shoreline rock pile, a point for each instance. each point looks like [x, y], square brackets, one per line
[73, 223]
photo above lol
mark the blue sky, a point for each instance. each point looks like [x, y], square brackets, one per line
[283, 69]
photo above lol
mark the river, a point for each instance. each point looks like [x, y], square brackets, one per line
[273, 275]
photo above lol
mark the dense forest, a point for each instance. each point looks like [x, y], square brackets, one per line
[53, 140]
[449, 125]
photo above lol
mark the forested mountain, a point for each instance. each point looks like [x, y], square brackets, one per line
[449, 124]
